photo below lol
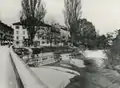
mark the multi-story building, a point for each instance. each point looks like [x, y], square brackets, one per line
[6, 34]
[42, 37]
[63, 31]
[54, 36]
[45, 36]
[64, 34]
[20, 34]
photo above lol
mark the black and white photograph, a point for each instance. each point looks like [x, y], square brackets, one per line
[59, 43]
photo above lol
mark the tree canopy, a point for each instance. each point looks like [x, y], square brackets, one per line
[72, 14]
[32, 11]
[86, 34]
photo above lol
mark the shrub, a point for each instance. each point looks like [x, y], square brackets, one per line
[113, 54]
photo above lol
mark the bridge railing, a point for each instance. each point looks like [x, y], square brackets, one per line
[27, 76]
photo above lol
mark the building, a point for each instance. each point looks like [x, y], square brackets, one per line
[42, 37]
[47, 35]
[64, 34]
[63, 30]
[20, 34]
[57, 35]
[6, 34]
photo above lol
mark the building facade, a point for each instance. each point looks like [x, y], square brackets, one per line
[63, 31]
[6, 34]
[64, 34]
[46, 35]
[20, 34]
[41, 37]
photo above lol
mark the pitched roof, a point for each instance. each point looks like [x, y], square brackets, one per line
[6, 26]
[32, 23]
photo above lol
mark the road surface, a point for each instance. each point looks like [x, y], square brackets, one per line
[7, 74]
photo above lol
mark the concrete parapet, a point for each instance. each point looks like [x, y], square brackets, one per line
[27, 76]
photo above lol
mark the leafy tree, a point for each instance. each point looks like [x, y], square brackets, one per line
[101, 42]
[33, 11]
[113, 53]
[110, 38]
[72, 14]
[86, 33]
[55, 31]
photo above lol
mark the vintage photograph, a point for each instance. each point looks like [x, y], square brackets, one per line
[59, 43]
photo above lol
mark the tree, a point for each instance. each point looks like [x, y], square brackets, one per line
[102, 42]
[32, 11]
[86, 34]
[53, 35]
[113, 53]
[50, 35]
[110, 38]
[72, 14]
[63, 40]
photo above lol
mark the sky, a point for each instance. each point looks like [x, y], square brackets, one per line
[104, 14]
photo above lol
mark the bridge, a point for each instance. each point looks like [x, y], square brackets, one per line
[14, 73]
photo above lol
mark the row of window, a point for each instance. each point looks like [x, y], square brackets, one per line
[47, 42]
[17, 27]
[23, 27]
[43, 42]
[17, 37]
[17, 32]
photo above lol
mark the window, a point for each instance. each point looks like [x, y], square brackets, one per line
[17, 27]
[42, 28]
[43, 42]
[43, 38]
[47, 42]
[17, 37]
[17, 32]
[23, 37]
[44, 58]
[17, 42]
[23, 27]
[24, 32]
